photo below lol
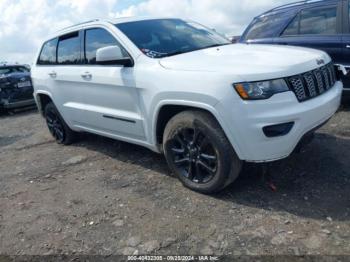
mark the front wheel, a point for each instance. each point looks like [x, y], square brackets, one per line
[199, 153]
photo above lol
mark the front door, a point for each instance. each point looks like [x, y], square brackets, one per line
[111, 98]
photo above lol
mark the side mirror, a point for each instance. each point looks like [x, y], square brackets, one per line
[112, 55]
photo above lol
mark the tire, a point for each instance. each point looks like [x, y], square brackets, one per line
[199, 153]
[57, 126]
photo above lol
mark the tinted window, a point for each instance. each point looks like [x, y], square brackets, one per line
[318, 21]
[98, 38]
[68, 51]
[48, 53]
[293, 27]
[265, 27]
[165, 37]
[13, 69]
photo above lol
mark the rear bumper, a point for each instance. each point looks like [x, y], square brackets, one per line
[247, 120]
[23, 103]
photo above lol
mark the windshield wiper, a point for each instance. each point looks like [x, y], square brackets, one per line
[214, 45]
[176, 53]
[192, 50]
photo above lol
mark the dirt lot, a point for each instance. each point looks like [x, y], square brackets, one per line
[106, 197]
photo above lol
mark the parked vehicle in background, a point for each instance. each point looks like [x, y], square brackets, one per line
[234, 39]
[16, 88]
[177, 87]
[320, 24]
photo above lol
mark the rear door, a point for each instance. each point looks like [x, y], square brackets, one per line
[42, 73]
[318, 27]
[68, 88]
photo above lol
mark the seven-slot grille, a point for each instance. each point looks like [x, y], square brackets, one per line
[313, 83]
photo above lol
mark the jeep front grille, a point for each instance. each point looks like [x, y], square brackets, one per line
[313, 83]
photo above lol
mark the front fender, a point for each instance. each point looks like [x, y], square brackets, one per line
[209, 107]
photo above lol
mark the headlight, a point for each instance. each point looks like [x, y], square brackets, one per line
[261, 90]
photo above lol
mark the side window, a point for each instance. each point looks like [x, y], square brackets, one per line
[20, 69]
[48, 53]
[293, 27]
[265, 27]
[68, 50]
[321, 21]
[98, 38]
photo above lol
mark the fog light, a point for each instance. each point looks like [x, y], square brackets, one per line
[278, 130]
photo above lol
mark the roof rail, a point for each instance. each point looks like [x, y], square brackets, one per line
[82, 23]
[293, 4]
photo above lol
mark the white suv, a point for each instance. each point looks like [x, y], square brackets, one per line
[177, 87]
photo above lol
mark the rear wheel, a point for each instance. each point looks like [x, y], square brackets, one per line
[199, 153]
[57, 126]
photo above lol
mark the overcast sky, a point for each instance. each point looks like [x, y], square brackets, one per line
[25, 23]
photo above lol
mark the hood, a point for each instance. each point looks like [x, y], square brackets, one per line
[249, 62]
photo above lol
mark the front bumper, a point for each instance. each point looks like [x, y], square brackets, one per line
[247, 120]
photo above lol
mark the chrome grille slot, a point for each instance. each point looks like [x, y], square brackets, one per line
[326, 77]
[332, 75]
[313, 83]
[310, 83]
[299, 88]
[319, 80]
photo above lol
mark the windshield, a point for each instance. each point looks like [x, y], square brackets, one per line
[166, 37]
[12, 69]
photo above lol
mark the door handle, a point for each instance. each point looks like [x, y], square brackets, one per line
[87, 75]
[53, 74]
[347, 46]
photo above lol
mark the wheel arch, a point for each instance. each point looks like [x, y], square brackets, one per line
[42, 98]
[162, 117]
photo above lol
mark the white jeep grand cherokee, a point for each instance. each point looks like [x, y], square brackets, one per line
[177, 87]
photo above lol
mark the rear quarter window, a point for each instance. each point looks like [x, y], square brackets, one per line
[48, 53]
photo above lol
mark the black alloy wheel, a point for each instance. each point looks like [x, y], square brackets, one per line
[199, 153]
[55, 126]
[194, 155]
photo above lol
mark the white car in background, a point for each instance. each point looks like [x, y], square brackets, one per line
[177, 87]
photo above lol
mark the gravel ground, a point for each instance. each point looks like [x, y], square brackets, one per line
[101, 196]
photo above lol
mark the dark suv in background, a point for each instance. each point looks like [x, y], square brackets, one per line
[322, 24]
[16, 89]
